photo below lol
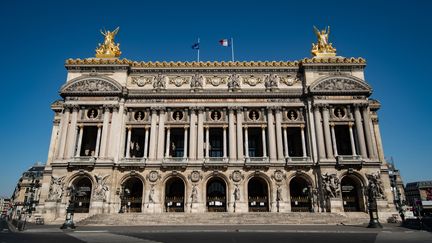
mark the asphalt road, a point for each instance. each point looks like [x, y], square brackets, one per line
[219, 234]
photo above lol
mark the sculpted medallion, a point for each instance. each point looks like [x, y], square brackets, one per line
[153, 176]
[142, 81]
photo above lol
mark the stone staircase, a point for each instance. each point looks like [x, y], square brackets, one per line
[129, 219]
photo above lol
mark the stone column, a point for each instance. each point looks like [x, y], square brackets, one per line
[353, 148]
[104, 140]
[264, 142]
[319, 132]
[224, 141]
[161, 135]
[334, 139]
[271, 135]
[232, 135]
[128, 141]
[193, 135]
[185, 143]
[246, 145]
[327, 134]
[380, 150]
[153, 135]
[80, 136]
[240, 149]
[146, 144]
[63, 131]
[303, 141]
[207, 142]
[122, 128]
[98, 138]
[279, 142]
[114, 134]
[200, 133]
[168, 141]
[368, 132]
[286, 142]
[72, 133]
[360, 132]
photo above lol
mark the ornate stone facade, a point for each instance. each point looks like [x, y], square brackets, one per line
[215, 136]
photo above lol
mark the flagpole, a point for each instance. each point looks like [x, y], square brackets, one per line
[232, 49]
[198, 49]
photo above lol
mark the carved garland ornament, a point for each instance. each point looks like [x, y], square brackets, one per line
[216, 80]
[142, 81]
[178, 81]
[340, 84]
[252, 80]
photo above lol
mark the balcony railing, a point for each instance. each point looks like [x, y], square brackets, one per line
[349, 160]
[257, 162]
[216, 162]
[298, 161]
[174, 162]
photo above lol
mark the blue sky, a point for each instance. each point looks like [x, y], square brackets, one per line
[36, 38]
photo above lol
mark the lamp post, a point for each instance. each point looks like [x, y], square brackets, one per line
[372, 206]
[69, 224]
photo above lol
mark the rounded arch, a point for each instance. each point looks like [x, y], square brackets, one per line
[302, 175]
[131, 194]
[258, 189]
[84, 188]
[300, 193]
[128, 176]
[79, 175]
[352, 193]
[175, 193]
[216, 194]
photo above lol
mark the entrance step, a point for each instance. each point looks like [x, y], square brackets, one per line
[219, 218]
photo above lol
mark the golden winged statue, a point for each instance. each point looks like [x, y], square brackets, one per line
[109, 48]
[323, 48]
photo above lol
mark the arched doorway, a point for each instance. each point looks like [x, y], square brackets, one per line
[131, 200]
[83, 187]
[300, 195]
[258, 195]
[216, 195]
[174, 195]
[352, 194]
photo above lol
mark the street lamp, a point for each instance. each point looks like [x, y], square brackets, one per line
[69, 224]
[372, 206]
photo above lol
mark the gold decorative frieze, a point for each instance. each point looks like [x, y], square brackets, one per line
[289, 79]
[336, 60]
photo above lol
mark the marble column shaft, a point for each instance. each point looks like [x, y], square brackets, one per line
[161, 135]
[185, 143]
[353, 147]
[232, 135]
[104, 139]
[200, 133]
[368, 132]
[153, 135]
[80, 136]
[240, 146]
[360, 132]
[271, 135]
[279, 142]
[128, 141]
[63, 129]
[246, 145]
[327, 133]
[319, 133]
[72, 134]
[98, 139]
[193, 135]
[146, 142]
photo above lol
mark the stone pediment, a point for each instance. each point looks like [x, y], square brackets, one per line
[340, 84]
[92, 85]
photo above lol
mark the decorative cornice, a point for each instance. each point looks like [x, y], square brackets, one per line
[215, 64]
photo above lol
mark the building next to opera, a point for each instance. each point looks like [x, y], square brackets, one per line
[196, 137]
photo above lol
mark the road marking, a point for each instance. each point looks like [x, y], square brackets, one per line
[103, 237]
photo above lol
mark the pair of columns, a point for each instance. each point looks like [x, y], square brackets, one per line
[71, 134]
[328, 148]
[286, 142]
[168, 143]
[128, 141]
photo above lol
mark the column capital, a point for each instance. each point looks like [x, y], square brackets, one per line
[325, 107]
[81, 126]
[107, 108]
[129, 128]
[270, 108]
[99, 125]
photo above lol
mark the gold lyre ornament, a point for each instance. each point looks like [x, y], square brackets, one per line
[323, 48]
[109, 49]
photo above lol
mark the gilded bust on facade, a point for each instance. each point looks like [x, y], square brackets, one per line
[323, 48]
[109, 48]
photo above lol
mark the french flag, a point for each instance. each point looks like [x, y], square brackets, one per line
[225, 42]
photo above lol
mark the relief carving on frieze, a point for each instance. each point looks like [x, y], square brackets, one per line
[92, 85]
[142, 81]
[216, 80]
[289, 79]
[178, 81]
[339, 84]
[252, 80]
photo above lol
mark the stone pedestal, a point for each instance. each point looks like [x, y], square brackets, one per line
[196, 208]
[336, 205]
[96, 207]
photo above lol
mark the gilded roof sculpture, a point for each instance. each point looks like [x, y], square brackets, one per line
[109, 49]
